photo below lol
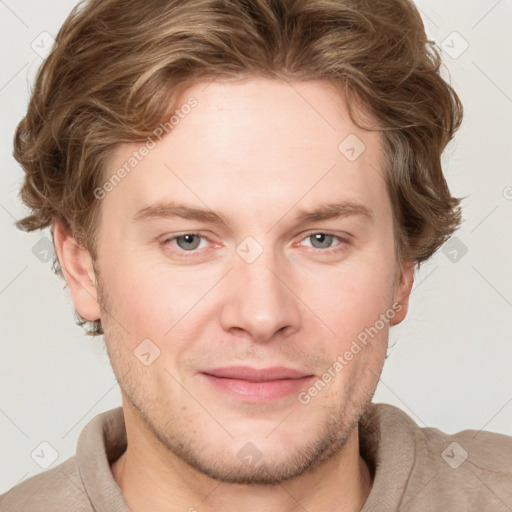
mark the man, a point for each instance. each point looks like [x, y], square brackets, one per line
[239, 194]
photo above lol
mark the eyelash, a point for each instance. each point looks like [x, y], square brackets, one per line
[342, 240]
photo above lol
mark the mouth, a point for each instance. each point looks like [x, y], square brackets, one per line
[257, 385]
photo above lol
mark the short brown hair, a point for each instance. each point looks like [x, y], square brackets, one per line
[118, 66]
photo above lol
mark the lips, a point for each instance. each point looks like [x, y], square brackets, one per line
[256, 385]
[256, 375]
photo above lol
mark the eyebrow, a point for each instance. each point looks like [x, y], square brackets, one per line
[323, 212]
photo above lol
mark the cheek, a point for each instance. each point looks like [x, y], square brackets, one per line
[353, 302]
[150, 302]
[350, 297]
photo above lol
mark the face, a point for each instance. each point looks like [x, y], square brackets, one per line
[248, 332]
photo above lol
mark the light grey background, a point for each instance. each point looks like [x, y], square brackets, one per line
[449, 362]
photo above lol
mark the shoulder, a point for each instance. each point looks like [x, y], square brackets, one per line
[81, 480]
[469, 470]
[473, 467]
[59, 488]
[480, 449]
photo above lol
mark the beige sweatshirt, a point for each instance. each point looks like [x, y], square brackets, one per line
[416, 469]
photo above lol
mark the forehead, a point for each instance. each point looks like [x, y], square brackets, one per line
[255, 145]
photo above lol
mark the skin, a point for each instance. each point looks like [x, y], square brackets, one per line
[255, 151]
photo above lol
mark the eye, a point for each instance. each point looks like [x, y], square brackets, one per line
[187, 242]
[190, 243]
[322, 240]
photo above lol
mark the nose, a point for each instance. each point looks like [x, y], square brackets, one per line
[259, 299]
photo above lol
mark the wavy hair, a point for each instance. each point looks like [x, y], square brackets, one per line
[118, 66]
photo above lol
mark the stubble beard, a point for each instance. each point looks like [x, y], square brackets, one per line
[325, 442]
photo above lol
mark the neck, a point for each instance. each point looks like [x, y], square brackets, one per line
[153, 479]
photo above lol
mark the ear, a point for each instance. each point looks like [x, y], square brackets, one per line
[403, 287]
[77, 268]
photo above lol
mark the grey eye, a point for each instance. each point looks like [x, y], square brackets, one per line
[188, 241]
[323, 239]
